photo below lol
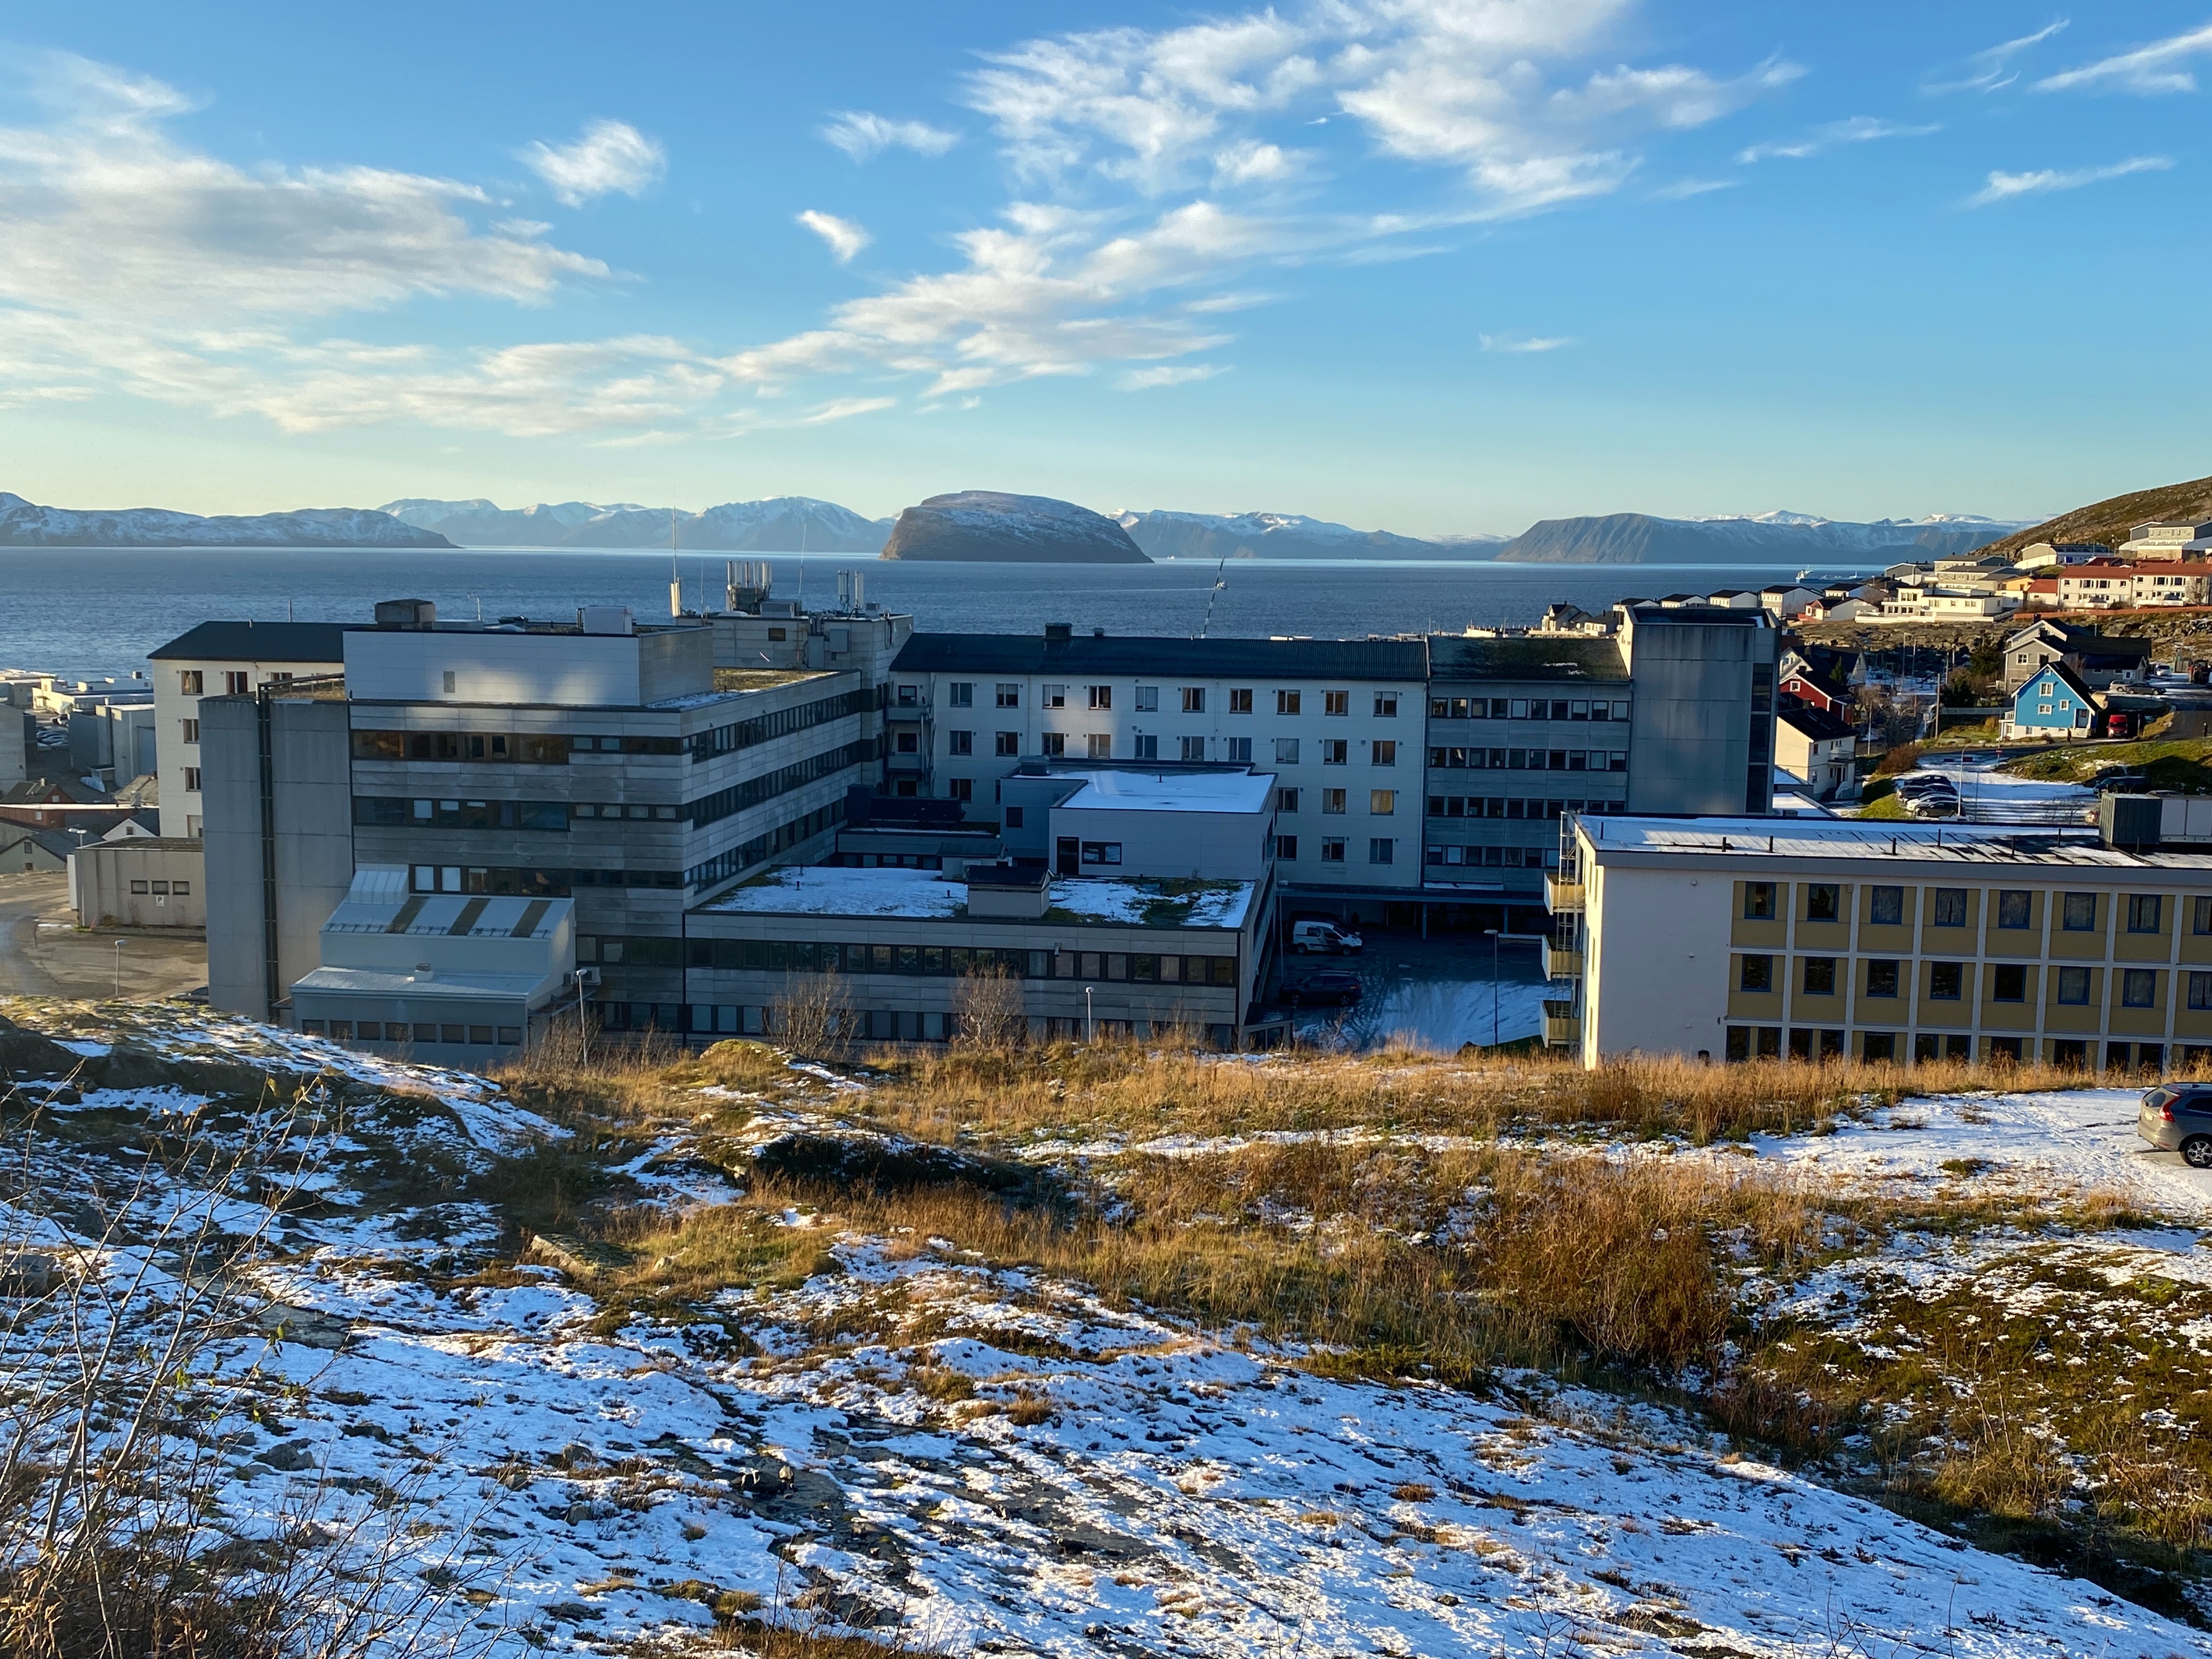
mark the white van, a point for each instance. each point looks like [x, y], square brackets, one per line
[1323, 938]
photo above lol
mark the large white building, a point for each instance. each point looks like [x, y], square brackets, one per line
[220, 660]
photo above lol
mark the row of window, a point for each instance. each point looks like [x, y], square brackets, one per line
[1947, 906]
[926, 961]
[1746, 1043]
[793, 832]
[535, 882]
[1526, 708]
[706, 1019]
[380, 1030]
[1502, 806]
[1099, 745]
[236, 682]
[1508, 858]
[1530, 760]
[1818, 977]
[150, 887]
[1007, 693]
[1337, 849]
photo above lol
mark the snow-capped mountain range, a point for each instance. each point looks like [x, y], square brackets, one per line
[779, 524]
[1778, 537]
[25, 524]
[1169, 535]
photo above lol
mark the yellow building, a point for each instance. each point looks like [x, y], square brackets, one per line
[1730, 938]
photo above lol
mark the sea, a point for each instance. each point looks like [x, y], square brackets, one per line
[93, 613]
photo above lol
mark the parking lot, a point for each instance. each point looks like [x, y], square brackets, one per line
[43, 953]
[1438, 993]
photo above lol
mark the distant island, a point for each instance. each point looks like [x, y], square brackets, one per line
[1167, 535]
[25, 524]
[1767, 539]
[779, 524]
[988, 527]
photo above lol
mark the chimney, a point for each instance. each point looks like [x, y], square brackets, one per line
[1057, 633]
[406, 613]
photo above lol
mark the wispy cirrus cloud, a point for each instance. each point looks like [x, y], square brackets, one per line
[844, 237]
[2004, 186]
[1858, 129]
[1525, 344]
[1146, 379]
[1682, 190]
[610, 157]
[2146, 71]
[863, 134]
[1991, 68]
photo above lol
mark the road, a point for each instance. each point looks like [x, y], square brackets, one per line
[43, 954]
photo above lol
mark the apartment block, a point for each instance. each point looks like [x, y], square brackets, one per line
[219, 660]
[1739, 937]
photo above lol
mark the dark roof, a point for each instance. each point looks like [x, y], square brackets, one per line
[257, 641]
[2066, 676]
[1087, 653]
[1654, 614]
[1817, 724]
[2086, 641]
[1527, 657]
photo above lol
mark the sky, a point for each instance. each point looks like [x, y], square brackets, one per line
[1433, 266]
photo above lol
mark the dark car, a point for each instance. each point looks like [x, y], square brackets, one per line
[1332, 989]
[2177, 1118]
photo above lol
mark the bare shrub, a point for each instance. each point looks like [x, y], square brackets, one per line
[813, 1015]
[989, 1011]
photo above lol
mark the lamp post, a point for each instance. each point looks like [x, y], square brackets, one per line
[585, 978]
[120, 944]
[1090, 1026]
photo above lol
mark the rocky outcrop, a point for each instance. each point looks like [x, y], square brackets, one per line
[987, 526]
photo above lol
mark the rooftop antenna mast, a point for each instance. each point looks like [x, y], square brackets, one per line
[674, 578]
[1220, 582]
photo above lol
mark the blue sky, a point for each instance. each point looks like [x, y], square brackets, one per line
[1428, 265]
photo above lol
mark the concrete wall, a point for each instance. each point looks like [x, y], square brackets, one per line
[1696, 744]
[676, 663]
[620, 671]
[312, 817]
[1202, 846]
[1663, 938]
[141, 882]
[16, 743]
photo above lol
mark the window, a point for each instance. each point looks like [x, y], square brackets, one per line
[1013, 818]
[1332, 801]
[1756, 975]
[2139, 988]
[190, 681]
[1286, 801]
[139, 887]
[1336, 703]
[909, 697]
[1102, 745]
[1055, 696]
[2073, 987]
[2200, 916]
[1286, 751]
[1148, 747]
[1335, 751]
[1286, 702]
[1101, 696]
[1382, 849]
[2013, 908]
[2200, 991]
[1193, 700]
[961, 693]
[1240, 749]
[2008, 982]
[182, 889]
[1947, 981]
[1886, 907]
[2146, 914]
[1194, 749]
[959, 743]
[1383, 803]
[1332, 850]
[192, 779]
[1386, 751]
[1287, 847]
[2079, 913]
[1240, 700]
[1386, 705]
[961, 789]
[1102, 852]
[1010, 694]
[1881, 977]
[1950, 907]
[1759, 900]
[910, 743]
[1148, 700]
[1055, 744]
[1008, 743]
[1823, 901]
[1820, 976]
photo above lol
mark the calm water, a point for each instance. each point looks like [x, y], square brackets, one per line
[90, 613]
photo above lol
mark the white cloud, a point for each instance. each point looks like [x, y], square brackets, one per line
[2145, 72]
[2004, 186]
[609, 157]
[864, 136]
[844, 409]
[1858, 129]
[1524, 343]
[1990, 68]
[1251, 163]
[1145, 380]
[845, 238]
[1682, 190]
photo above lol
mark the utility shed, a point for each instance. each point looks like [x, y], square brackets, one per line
[139, 881]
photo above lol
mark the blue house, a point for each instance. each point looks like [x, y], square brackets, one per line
[2053, 703]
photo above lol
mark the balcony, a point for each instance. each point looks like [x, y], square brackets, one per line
[1563, 1026]
[1562, 892]
[1562, 962]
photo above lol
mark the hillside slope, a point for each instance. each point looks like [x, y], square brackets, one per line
[1765, 538]
[26, 524]
[2109, 521]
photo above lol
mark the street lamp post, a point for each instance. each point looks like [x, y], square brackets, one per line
[120, 944]
[1090, 1025]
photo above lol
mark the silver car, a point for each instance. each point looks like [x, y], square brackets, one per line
[2177, 1118]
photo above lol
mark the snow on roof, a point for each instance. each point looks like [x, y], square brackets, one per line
[1174, 792]
[816, 890]
[445, 987]
[1994, 847]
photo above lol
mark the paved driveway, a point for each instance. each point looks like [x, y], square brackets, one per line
[43, 954]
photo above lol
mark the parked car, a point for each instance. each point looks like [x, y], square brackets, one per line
[1331, 987]
[2121, 783]
[2177, 1118]
[1324, 938]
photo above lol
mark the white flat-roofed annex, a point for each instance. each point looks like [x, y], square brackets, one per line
[814, 890]
[1652, 841]
[1176, 791]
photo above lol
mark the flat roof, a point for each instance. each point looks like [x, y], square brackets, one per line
[1172, 792]
[446, 988]
[822, 890]
[258, 642]
[1528, 657]
[1087, 653]
[1996, 847]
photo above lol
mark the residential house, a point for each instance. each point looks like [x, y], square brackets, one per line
[2098, 585]
[2185, 539]
[2096, 658]
[1818, 747]
[2053, 703]
[223, 659]
[2175, 583]
[2041, 556]
[34, 852]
